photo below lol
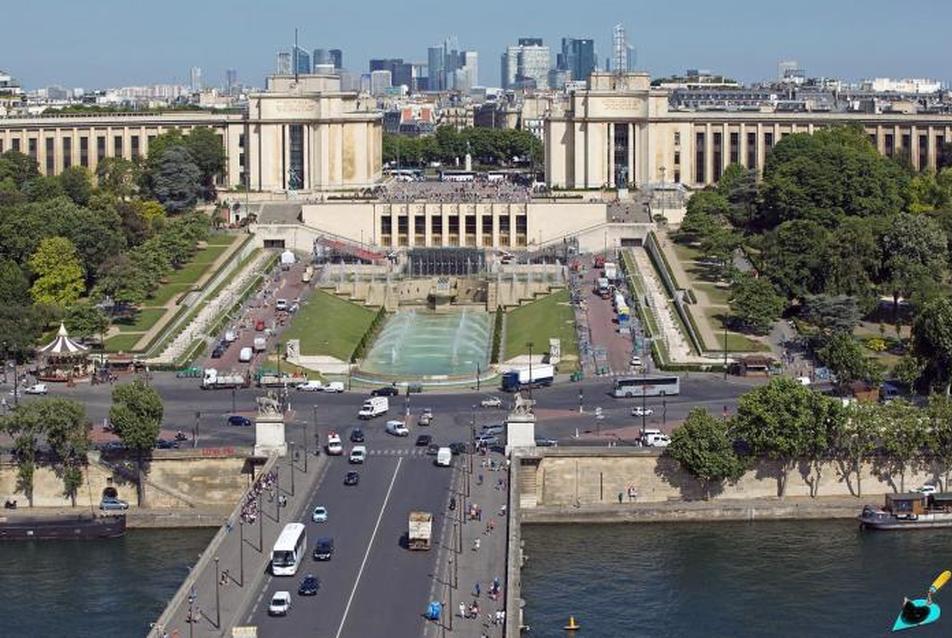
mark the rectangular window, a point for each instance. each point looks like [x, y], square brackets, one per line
[241, 140]
[751, 150]
[768, 141]
[939, 155]
[134, 142]
[31, 144]
[50, 151]
[296, 157]
[419, 230]
[699, 158]
[15, 145]
[872, 140]
[889, 144]
[454, 224]
[718, 155]
[906, 143]
[677, 158]
[67, 152]
[923, 152]
[1, 146]
[504, 225]
[677, 176]
[735, 148]
[386, 225]
[117, 146]
[100, 147]
[436, 228]
[522, 230]
[677, 138]
[84, 152]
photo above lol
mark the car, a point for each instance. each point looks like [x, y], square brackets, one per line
[36, 388]
[319, 515]
[487, 440]
[351, 478]
[280, 603]
[491, 402]
[457, 448]
[281, 305]
[397, 428]
[432, 449]
[635, 361]
[166, 444]
[324, 548]
[259, 325]
[357, 435]
[385, 391]
[543, 442]
[640, 411]
[426, 418]
[112, 446]
[492, 430]
[111, 503]
[927, 489]
[334, 445]
[309, 586]
[358, 454]
[334, 386]
[239, 421]
[424, 440]
[311, 386]
[230, 335]
[218, 352]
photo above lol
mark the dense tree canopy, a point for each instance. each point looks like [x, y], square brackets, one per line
[487, 146]
[704, 447]
[754, 304]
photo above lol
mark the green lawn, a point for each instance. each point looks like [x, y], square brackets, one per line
[144, 319]
[735, 342]
[166, 292]
[539, 321]
[222, 239]
[122, 342]
[718, 296]
[328, 325]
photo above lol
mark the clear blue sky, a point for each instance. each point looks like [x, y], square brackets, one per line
[110, 42]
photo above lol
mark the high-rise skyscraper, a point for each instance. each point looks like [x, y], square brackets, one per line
[380, 81]
[231, 81]
[450, 69]
[578, 57]
[195, 79]
[283, 66]
[526, 65]
[333, 57]
[435, 69]
[337, 57]
[300, 61]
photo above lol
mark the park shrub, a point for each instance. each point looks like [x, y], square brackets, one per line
[497, 335]
[361, 348]
[876, 344]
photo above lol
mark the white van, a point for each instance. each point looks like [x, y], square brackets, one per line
[374, 406]
[654, 438]
[245, 354]
[444, 457]
[334, 445]
[397, 428]
[358, 454]
[230, 336]
[260, 344]
[334, 386]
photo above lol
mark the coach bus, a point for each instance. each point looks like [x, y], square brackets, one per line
[649, 386]
[289, 550]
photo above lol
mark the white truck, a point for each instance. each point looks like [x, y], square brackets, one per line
[307, 275]
[280, 381]
[260, 344]
[213, 380]
[373, 407]
[536, 375]
[611, 271]
[420, 531]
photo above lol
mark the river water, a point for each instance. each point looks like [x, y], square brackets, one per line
[93, 588]
[767, 578]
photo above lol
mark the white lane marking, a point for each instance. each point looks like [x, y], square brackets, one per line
[370, 545]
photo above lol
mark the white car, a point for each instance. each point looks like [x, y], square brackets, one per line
[280, 603]
[311, 386]
[927, 489]
[334, 386]
[358, 454]
[635, 361]
[640, 411]
[491, 402]
[319, 515]
[397, 428]
[36, 388]
[281, 304]
[334, 445]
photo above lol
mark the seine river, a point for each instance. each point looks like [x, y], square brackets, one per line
[801, 578]
[93, 588]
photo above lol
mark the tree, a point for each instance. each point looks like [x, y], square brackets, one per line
[125, 281]
[175, 179]
[845, 359]
[783, 421]
[119, 176]
[66, 430]
[932, 341]
[136, 415]
[915, 252]
[796, 257]
[908, 370]
[739, 186]
[208, 153]
[59, 272]
[14, 286]
[18, 168]
[831, 314]
[855, 260]
[704, 448]
[77, 184]
[84, 320]
[754, 303]
[859, 436]
[25, 427]
[43, 188]
[905, 437]
[940, 432]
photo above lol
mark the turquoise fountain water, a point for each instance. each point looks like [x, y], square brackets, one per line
[414, 344]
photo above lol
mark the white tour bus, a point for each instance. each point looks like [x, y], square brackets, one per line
[649, 386]
[289, 550]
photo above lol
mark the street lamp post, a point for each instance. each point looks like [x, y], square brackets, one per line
[725, 349]
[291, 460]
[529, 344]
[317, 434]
[241, 550]
[233, 399]
[305, 446]
[260, 514]
[644, 398]
[217, 595]
[198, 418]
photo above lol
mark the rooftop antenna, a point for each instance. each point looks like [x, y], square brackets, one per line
[294, 58]
[619, 50]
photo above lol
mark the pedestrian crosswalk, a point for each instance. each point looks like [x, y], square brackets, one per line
[418, 451]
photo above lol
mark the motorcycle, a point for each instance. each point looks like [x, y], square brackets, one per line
[452, 503]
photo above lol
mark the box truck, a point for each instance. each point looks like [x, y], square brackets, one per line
[535, 376]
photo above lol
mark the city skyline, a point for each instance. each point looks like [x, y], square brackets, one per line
[700, 35]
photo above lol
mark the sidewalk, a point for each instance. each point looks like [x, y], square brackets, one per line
[220, 586]
[456, 584]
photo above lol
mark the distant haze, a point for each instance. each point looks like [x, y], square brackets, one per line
[112, 43]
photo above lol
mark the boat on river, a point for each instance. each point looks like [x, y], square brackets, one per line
[61, 526]
[912, 510]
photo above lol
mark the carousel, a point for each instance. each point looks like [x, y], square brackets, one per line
[63, 360]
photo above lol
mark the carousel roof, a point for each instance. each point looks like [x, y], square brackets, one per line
[62, 344]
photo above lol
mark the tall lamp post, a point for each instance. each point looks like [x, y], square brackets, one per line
[241, 549]
[217, 595]
[529, 344]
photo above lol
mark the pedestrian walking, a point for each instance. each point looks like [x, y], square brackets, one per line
[476, 590]
[462, 610]
[476, 545]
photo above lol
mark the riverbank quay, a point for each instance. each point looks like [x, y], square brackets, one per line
[138, 518]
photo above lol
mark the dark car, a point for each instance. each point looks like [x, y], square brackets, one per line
[357, 435]
[324, 548]
[432, 449]
[542, 442]
[309, 586]
[165, 444]
[386, 391]
[457, 448]
[424, 440]
[218, 352]
[240, 421]
[351, 478]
